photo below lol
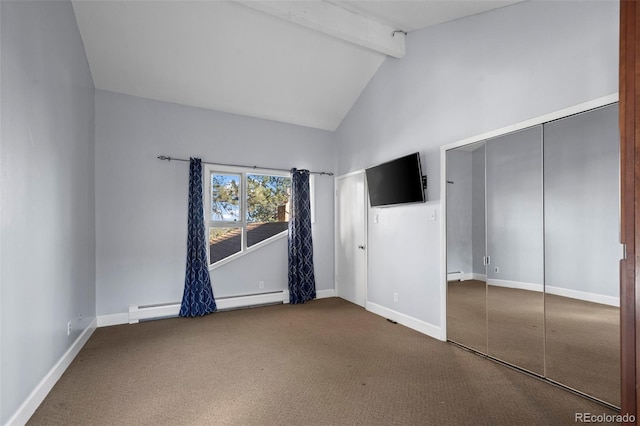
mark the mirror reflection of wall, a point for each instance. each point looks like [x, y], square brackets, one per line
[543, 205]
[515, 274]
[466, 247]
[478, 209]
[582, 252]
[459, 254]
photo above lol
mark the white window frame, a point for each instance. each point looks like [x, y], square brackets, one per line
[210, 169]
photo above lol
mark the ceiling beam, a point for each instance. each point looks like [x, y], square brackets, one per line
[337, 22]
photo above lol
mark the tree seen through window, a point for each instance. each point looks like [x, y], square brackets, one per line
[244, 210]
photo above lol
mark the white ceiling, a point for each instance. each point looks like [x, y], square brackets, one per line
[224, 56]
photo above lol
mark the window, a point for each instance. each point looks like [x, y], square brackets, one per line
[244, 209]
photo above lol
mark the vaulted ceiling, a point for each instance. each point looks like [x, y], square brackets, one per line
[298, 62]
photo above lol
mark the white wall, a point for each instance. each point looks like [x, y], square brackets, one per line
[47, 194]
[458, 80]
[141, 202]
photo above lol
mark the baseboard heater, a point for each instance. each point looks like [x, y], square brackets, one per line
[139, 313]
[455, 276]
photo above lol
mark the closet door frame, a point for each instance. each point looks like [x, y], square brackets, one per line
[576, 109]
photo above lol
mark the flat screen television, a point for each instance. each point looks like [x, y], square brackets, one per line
[396, 182]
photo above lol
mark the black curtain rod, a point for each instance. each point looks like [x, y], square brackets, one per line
[164, 157]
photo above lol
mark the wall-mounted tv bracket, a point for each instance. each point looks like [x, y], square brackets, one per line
[424, 181]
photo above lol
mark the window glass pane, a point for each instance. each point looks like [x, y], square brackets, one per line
[223, 242]
[267, 207]
[268, 198]
[225, 197]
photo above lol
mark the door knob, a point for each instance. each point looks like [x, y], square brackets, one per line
[361, 247]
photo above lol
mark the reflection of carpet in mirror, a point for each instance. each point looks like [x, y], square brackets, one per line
[516, 327]
[466, 314]
[583, 346]
[582, 338]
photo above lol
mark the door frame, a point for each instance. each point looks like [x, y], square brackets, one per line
[629, 87]
[336, 238]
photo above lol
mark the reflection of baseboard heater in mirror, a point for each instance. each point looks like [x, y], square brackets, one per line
[462, 276]
[454, 276]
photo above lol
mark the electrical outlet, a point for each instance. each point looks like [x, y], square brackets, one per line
[69, 328]
[260, 284]
[395, 297]
[496, 270]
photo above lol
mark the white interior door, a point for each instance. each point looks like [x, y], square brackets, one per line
[351, 251]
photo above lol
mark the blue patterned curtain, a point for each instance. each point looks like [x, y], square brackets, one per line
[197, 299]
[302, 283]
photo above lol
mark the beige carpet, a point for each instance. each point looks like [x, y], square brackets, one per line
[581, 346]
[327, 362]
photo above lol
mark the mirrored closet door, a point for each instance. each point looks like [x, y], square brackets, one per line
[582, 252]
[515, 264]
[533, 251]
[466, 247]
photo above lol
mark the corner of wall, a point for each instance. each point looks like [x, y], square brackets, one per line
[40, 392]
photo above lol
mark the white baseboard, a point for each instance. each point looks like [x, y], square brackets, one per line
[324, 294]
[582, 295]
[473, 276]
[413, 323]
[35, 398]
[113, 319]
[558, 291]
[137, 313]
[515, 284]
[478, 277]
